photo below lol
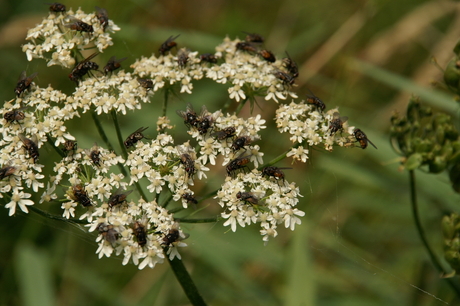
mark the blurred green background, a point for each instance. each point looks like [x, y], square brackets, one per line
[357, 244]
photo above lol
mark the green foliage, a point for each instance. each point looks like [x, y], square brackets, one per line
[357, 244]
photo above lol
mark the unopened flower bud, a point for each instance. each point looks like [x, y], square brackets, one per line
[454, 176]
[437, 165]
[448, 227]
[452, 74]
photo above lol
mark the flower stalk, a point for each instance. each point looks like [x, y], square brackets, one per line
[186, 282]
[421, 232]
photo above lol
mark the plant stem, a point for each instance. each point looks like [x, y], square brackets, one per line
[104, 137]
[101, 132]
[57, 149]
[166, 202]
[186, 282]
[54, 217]
[421, 233]
[275, 160]
[240, 106]
[209, 195]
[165, 101]
[113, 113]
[203, 220]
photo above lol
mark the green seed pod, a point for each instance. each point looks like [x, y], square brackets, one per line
[448, 227]
[436, 150]
[422, 145]
[452, 74]
[413, 109]
[457, 48]
[455, 244]
[425, 111]
[454, 176]
[453, 259]
[437, 165]
[414, 161]
[455, 158]
[456, 145]
[442, 119]
[440, 134]
[447, 151]
[451, 132]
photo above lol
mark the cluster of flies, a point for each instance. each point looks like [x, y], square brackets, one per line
[202, 122]
[30, 145]
[182, 58]
[336, 124]
[80, 195]
[78, 25]
[86, 66]
[110, 234]
[253, 43]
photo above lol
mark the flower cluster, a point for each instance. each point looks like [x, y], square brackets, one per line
[104, 188]
[310, 126]
[257, 198]
[246, 72]
[60, 34]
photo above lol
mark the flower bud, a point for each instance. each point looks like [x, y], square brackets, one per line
[455, 158]
[422, 145]
[413, 109]
[437, 165]
[450, 132]
[453, 259]
[440, 134]
[454, 176]
[414, 161]
[447, 150]
[452, 74]
[448, 227]
[455, 244]
[457, 48]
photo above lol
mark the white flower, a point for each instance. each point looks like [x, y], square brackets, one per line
[19, 198]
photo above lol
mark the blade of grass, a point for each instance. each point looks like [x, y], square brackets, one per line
[33, 276]
[437, 99]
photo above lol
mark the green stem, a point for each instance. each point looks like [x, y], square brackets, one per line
[54, 217]
[240, 106]
[183, 277]
[113, 113]
[421, 233]
[166, 202]
[226, 106]
[176, 210]
[57, 149]
[202, 220]
[275, 160]
[165, 101]
[104, 137]
[209, 195]
[102, 133]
